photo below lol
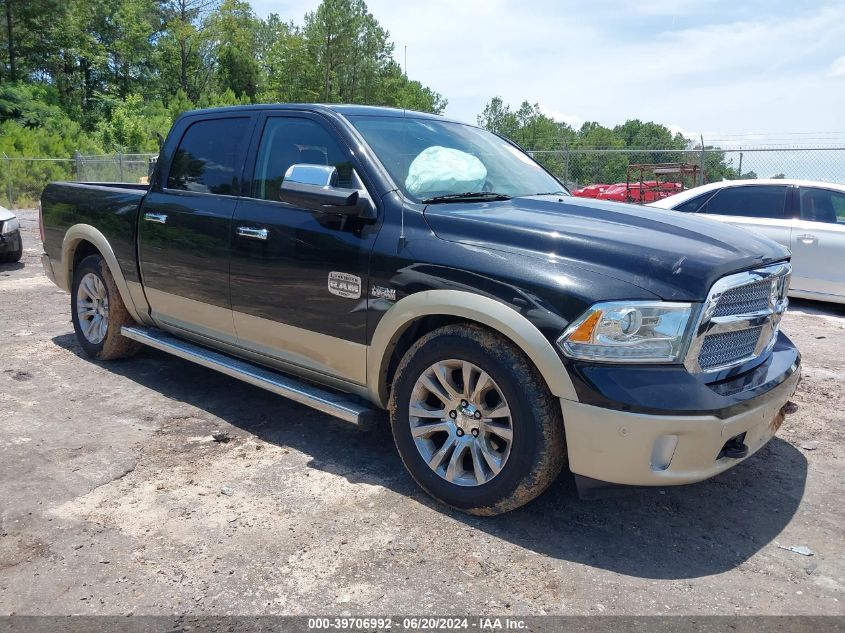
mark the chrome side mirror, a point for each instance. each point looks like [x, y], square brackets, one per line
[314, 187]
[319, 175]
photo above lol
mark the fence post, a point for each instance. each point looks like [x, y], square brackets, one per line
[8, 162]
[740, 164]
[120, 166]
[79, 165]
[566, 164]
[701, 173]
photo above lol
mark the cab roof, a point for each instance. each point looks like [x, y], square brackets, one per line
[343, 109]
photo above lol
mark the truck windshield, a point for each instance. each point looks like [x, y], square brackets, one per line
[440, 161]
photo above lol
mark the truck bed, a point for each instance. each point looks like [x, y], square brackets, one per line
[110, 207]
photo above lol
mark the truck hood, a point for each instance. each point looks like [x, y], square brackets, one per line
[669, 254]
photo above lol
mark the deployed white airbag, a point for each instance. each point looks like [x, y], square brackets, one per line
[443, 170]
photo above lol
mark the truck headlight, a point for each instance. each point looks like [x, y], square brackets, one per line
[9, 226]
[629, 332]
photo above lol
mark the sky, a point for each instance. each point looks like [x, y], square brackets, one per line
[740, 72]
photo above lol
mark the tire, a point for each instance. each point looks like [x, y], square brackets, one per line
[527, 463]
[100, 339]
[10, 257]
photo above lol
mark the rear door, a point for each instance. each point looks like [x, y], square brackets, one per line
[185, 225]
[299, 277]
[818, 243]
[764, 209]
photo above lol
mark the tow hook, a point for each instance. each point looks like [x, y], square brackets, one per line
[734, 448]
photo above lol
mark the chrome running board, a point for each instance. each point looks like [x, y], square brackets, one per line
[336, 404]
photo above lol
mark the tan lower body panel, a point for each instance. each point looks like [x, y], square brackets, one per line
[136, 293]
[238, 351]
[318, 354]
[188, 314]
[655, 450]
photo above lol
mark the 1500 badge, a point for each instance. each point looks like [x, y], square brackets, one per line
[380, 292]
[345, 285]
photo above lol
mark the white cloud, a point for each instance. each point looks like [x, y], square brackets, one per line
[674, 128]
[658, 7]
[596, 61]
[573, 120]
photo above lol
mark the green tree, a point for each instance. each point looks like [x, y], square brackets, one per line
[594, 167]
[182, 49]
[292, 75]
[497, 117]
[233, 30]
[135, 23]
[133, 125]
[653, 136]
[546, 139]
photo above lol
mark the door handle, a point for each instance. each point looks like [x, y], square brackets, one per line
[256, 234]
[158, 218]
[808, 239]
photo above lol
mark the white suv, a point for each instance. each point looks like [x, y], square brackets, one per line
[806, 217]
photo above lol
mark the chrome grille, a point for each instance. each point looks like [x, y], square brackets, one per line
[740, 318]
[746, 299]
[728, 348]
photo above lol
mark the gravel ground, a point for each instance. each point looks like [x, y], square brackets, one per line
[116, 499]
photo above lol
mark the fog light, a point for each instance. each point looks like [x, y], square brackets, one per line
[663, 451]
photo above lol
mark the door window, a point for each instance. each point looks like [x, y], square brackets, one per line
[822, 205]
[289, 140]
[208, 157]
[753, 201]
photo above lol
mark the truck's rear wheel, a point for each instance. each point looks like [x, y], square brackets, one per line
[98, 311]
[474, 422]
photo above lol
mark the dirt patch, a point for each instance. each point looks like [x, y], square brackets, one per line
[118, 497]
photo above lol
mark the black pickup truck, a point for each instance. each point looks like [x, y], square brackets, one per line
[357, 259]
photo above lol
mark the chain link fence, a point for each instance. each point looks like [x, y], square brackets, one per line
[579, 167]
[23, 179]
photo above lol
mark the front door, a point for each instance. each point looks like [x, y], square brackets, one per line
[185, 227]
[818, 243]
[299, 277]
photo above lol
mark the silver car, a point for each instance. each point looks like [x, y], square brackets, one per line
[806, 217]
[11, 246]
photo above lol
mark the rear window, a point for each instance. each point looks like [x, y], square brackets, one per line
[208, 157]
[822, 205]
[692, 205]
[753, 201]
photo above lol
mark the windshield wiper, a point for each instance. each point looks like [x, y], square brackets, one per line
[469, 196]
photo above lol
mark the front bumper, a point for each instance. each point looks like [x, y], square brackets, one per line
[617, 445]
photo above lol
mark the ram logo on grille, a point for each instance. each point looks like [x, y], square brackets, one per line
[740, 318]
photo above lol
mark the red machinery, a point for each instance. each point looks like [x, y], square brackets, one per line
[641, 189]
[590, 191]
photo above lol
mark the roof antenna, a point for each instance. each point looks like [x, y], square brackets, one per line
[402, 240]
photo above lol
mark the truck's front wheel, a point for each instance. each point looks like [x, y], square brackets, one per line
[474, 423]
[98, 311]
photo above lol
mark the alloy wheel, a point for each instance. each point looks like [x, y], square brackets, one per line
[461, 422]
[92, 308]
